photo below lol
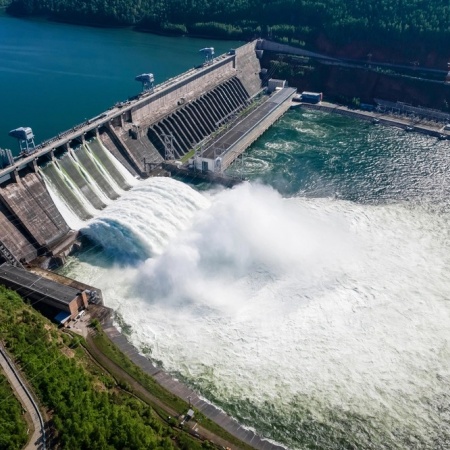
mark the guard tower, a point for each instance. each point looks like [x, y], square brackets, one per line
[208, 53]
[147, 80]
[25, 137]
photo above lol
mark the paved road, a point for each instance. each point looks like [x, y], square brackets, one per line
[219, 146]
[37, 439]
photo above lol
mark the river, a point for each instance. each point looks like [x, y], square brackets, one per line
[311, 302]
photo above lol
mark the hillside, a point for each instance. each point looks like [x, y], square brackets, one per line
[83, 404]
[411, 31]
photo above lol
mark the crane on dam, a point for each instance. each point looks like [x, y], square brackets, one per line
[147, 80]
[25, 137]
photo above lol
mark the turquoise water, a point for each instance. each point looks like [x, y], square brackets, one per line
[327, 155]
[53, 76]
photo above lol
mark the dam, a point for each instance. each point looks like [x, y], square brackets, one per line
[93, 163]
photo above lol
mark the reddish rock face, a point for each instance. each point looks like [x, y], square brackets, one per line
[436, 58]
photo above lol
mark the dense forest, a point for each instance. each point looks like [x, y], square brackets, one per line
[322, 24]
[85, 407]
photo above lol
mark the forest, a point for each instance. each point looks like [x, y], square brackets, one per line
[321, 24]
[85, 407]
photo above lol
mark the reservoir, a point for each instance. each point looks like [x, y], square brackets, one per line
[311, 302]
[54, 76]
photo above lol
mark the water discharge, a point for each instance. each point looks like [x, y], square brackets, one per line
[320, 321]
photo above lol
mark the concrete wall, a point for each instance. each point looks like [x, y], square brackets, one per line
[16, 240]
[182, 92]
[248, 68]
[33, 208]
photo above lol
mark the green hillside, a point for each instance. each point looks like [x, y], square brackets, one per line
[85, 408]
[377, 22]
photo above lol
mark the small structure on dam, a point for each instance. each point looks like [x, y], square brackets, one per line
[91, 164]
[25, 137]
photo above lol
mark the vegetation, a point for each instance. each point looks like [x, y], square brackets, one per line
[293, 21]
[103, 343]
[13, 428]
[86, 408]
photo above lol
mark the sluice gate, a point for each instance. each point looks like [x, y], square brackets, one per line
[92, 164]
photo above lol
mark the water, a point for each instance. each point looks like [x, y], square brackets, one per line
[310, 303]
[54, 76]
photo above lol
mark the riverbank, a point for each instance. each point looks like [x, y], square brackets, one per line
[383, 118]
[182, 392]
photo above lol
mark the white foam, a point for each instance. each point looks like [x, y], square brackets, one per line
[269, 298]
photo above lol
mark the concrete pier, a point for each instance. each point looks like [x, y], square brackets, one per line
[221, 151]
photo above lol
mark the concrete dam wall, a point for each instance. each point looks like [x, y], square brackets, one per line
[90, 165]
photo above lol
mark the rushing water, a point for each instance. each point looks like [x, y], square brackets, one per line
[310, 303]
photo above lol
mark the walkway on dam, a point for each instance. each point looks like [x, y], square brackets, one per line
[37, 439]
[233, 142]
[187, 394]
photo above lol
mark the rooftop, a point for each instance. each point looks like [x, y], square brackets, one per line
[18, 278]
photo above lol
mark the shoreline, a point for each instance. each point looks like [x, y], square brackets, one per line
[178, 388]
[376, 117]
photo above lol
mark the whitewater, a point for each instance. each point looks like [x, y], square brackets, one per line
[319, 321]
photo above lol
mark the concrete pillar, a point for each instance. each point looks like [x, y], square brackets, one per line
[198, 108]
[216, 106]
[182, 140]
[34, 165]
[15, 176]
[187, 132]
[227, 97]
[210, 110]
[191, 122]
[226, 100]
[189, 116]
[232, 93]
[240, 87]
